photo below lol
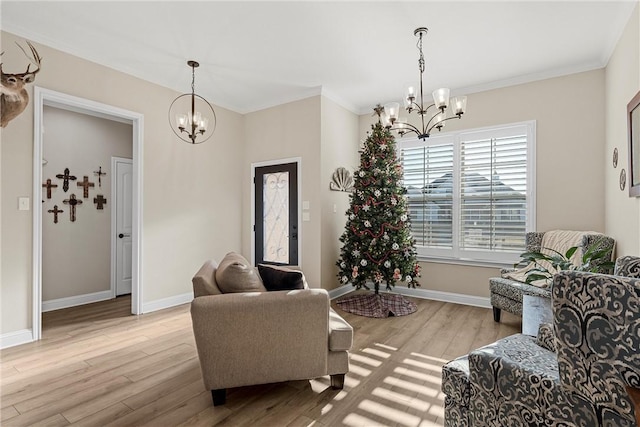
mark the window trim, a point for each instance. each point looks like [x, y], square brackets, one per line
[478, 256]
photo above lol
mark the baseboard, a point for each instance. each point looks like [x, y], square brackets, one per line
[11, 339]
[464, 299]
[159, 304]
[57, 304]
[342, 290]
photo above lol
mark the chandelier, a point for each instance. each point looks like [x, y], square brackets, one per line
[429, 120]
[191, 116]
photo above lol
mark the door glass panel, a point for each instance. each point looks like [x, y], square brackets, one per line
[276, 217]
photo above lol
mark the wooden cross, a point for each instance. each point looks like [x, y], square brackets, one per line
[100, 201]
[55, 211]
[49, 186]
[72, 201]
[99, 173]
[66, 177]
[85, 184]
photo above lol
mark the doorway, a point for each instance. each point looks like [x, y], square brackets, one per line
[45, 97]
[276, 213]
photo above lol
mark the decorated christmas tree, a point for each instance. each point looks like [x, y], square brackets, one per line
[377, 243]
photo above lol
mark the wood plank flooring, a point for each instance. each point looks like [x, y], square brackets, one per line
[99, 366]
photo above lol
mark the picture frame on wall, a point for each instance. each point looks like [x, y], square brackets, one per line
[633, 129]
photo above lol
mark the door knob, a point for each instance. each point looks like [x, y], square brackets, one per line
[121, 235]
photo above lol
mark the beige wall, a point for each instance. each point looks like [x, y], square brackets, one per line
[76, 256]
[191, 194]
[339, 148]
[622, 83]
[570, 132]
[287, 131]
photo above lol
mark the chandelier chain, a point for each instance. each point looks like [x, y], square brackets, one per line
[421, 60]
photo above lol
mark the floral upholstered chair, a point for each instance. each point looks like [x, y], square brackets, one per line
[506, 293]
[574, 373]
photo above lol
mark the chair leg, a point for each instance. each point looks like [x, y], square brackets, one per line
[337, 381]
[219, 396]
[496, 314]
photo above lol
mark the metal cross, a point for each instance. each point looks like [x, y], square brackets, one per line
[100, 201]
[99, 173]
[49, 186]
[66, 177]
[55, 211]
[85, 184]
[72, 201]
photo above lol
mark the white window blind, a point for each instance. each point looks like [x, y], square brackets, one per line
[471, 193]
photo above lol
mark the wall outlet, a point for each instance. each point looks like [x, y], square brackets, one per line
[23, 203]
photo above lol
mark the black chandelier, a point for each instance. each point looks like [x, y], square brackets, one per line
[434, 120]
[191, 116]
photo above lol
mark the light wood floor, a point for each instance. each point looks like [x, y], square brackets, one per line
[99, 366]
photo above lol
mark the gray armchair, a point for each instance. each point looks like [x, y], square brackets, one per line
[506, 294]
[574, 373]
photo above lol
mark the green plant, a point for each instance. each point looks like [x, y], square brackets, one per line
[595, 259]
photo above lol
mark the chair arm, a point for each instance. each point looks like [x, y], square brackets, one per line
[597, 328]
[261, 337]
[628, 266]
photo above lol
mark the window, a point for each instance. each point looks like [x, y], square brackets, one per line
[471, 193]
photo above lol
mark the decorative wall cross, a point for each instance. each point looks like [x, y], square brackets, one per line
[73, 202]
[49, 186]
[100, 201]
[66, 177]
[99, 173]
[55, 211]
[85, 184]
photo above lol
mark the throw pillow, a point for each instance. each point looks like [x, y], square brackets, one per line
[280, 279]
[235, 274]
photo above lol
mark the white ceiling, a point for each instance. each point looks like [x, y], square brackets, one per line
[258, 54]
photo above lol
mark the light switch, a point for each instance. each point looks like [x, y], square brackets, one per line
[23, 203]
[305, 205]
[306, 216]
[335, 208]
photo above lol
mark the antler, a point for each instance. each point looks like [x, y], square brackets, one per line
[36, 59]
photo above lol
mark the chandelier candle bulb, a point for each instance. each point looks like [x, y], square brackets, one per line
[391, 110]
[441, 98]
[459, 104]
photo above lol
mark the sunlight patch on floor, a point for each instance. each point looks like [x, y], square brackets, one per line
[375, 352]
[436, 380]
[396, 382]
[391, 414]
[387, 347]
[356, 420]
[366, 360]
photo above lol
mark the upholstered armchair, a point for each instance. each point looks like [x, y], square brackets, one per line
[260, 337]
[575, 373]
[506, 293]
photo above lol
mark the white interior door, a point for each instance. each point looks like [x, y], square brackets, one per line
[123, 173]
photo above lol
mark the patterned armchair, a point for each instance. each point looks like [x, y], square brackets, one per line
[576, 378]
[506, 294]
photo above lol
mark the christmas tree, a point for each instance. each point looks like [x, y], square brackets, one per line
[377, 243]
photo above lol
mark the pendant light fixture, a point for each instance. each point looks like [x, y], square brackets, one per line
[191, 116]
[429, 121]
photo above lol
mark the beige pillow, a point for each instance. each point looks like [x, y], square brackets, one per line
[235, 274]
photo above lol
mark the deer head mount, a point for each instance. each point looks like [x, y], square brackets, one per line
[13, 95]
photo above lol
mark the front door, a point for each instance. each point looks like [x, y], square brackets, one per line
[276, 214]
[123, 172]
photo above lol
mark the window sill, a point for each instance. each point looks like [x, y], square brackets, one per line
[466, 262]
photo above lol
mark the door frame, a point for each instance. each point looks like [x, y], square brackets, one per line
[46, 97]
[114, 230]
[298, 162]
